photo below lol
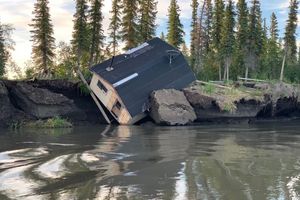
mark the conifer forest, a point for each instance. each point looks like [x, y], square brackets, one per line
[228, 39]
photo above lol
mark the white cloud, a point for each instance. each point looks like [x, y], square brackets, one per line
[18, 13]
[62, 19]
[275, 5]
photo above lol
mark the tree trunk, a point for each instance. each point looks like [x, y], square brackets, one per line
[246, 73]
[225, 71]
[228, 72]
[78, 58]
[92, 54]
[282, 68]
[220, 73]
[114, 49]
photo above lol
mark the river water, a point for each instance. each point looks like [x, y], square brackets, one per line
[231, 162]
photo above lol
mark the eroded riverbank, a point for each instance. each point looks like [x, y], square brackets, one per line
[27, 101]
[22, 101]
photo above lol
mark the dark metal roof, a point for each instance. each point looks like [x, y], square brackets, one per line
[152, 66]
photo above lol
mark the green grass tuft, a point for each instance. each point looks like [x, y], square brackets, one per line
[52, 123]
[209, 89]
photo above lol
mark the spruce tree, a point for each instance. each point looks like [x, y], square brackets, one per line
[264, 70]
[200, 41]
[227, 37]
[254, 43]
[3, 57]
[242, 23]
[81, 37]
[218, 14]
[274, 28]
[147, 25]
[115, 25]
[264, 32]
[97, 35]
[208, 22]
[203, 45]
[273, 58]
[42, 37]
[175, 28]
[290, 32]
[255, 27]
[129, 24]
[240, 50]
[194, 31]
[290, 41]
[6, 46]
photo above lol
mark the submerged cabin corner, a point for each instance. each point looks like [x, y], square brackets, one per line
[123, 83]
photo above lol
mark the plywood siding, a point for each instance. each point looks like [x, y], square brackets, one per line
[109, 99]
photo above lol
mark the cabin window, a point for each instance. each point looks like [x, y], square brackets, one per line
[102, 87]
[118, 105]
[116, 110]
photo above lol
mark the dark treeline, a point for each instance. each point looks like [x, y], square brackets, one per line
[231, 40]
[228, 39]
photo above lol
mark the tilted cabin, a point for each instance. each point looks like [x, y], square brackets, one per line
[123, 83]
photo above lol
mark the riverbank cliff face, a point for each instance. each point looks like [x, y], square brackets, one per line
[22, 101]
[42, 99]
[210, 103]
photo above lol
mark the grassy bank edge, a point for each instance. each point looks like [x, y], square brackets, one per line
[51, 123]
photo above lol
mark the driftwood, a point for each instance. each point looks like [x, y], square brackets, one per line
[218, 82]
[254, 80]
[216, 85]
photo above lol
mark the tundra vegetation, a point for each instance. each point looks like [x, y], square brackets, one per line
[227, 96]
[229, 39]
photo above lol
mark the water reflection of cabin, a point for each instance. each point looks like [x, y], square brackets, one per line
[123, 83]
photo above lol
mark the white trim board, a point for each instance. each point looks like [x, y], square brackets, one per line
[124, 80]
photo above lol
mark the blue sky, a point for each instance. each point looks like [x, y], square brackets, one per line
[19, 14]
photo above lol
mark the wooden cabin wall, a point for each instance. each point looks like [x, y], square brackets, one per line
[109, 98]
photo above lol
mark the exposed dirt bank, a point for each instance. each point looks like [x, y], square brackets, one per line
[233, 103]
[43, 99]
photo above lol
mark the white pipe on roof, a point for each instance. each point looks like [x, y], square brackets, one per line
[125, 79]
[136, 48]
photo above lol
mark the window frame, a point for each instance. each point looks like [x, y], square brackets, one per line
[102, 87]
[118, 105]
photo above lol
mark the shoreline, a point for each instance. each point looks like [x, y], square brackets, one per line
[35, 100]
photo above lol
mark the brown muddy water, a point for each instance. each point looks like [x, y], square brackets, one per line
[233, 162]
